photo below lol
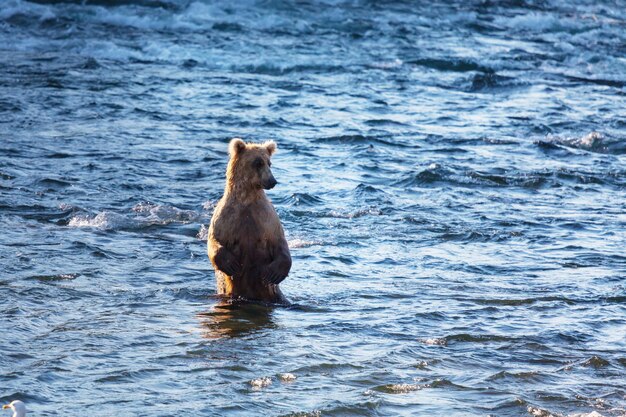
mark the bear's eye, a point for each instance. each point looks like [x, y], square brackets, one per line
[258, 163]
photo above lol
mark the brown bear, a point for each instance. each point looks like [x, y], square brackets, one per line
[246, 243]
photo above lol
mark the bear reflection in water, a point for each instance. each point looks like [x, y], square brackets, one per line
[246, 242]
[235, 319]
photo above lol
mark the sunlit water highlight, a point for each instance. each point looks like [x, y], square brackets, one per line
[451, 180]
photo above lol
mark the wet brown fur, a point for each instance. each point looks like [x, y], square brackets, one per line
[245, 233]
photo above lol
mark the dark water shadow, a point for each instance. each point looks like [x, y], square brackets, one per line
[236, 319]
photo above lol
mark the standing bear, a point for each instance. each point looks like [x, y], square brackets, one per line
[246, 243]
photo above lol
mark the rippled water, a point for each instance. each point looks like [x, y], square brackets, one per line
[452, 183]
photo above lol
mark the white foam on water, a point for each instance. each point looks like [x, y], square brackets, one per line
[107, 50]
[435, 341]
[163, 214]
[12, 8]
[538, 22]
[587, 142]
[301, 243]
[287, 377]
[209, 205]
[539, 412]
[396, 63]
[404, 388]
[261, 382]
[355, 214]
[145, 214]
[203, 233]
[105, 220]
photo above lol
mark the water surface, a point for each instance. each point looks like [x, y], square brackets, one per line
[452, 182]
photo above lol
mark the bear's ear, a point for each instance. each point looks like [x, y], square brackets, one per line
[235, 146]
[270, 145]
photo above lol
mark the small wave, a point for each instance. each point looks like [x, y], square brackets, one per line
[129, 376]
[15, 8]
[456, 65]
[6, 176]
[228, 27]
[464, 337]
[365, 190]
[354, 139]
[162, 214]
[504, 178]
[595, 362]
[482, 82]
[387, 65]
[146, 214]
[111, 51]
[514, 375]
[540, 412]
[261, 382]
[203, 233]
[54, 183]
[383, 122]
[406, 388]
[470, 235]
[301, 243]
[105, 220]
[435, 173]
[276, 70]
[287, 377]
[539, 23]
[399, 388]
[432, 174]
[521, 301]
[209, 205]
[8, 106]
[52, 278]
[435, 341]
[372, 211]
[315, 413]
[592, 142]
[301, 199]
[598, 81]
[90, 64]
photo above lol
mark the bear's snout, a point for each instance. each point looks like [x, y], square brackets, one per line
[270, 183]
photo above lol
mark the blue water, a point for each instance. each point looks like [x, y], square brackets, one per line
[452, 183]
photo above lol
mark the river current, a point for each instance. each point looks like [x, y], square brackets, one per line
[451, 180]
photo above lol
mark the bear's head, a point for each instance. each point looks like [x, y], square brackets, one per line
[249, 165]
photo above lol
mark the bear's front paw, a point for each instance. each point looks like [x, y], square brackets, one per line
[227, 263]
[275, 273]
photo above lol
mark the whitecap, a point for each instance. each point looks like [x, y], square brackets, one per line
[539, 412]
[537, 22]
[592, 141]
[355, 214]
[146, 214]
[403, 388]
[592, 414]
[287, 377]
[396, 63]
[209, 205]
[105, 220]
[435, 341]
[301, 243]
[203, 233]
[163, 214]
[261, 382]
[16, 7]
[107, 50]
